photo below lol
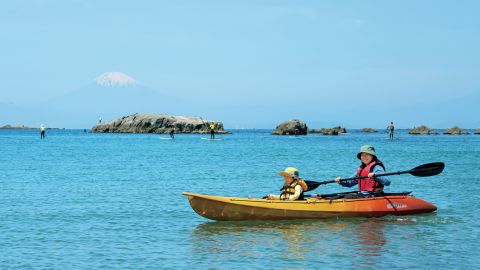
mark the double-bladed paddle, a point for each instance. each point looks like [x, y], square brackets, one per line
[424, 170]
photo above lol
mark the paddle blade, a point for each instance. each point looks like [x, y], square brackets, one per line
[311, 185]
[429, 169]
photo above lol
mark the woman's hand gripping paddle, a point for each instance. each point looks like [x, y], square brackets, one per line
[424, 170]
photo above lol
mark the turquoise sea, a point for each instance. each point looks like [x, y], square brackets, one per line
[113, 201]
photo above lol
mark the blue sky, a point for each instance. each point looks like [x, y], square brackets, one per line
[312, 53]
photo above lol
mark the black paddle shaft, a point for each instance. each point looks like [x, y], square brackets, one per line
[425, 170]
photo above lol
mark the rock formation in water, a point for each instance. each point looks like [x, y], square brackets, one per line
[330, 131]
[477, 132]
[152, 123]
[288, 128]
[455, 131]
[316, 130]
[370, 130]
[22, 127]
[422, 130]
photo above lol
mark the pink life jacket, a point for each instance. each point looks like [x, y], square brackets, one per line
[367, 184]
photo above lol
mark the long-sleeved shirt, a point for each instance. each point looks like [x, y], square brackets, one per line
[384, 180]
[298, 191]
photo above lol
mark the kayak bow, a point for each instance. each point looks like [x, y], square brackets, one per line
[238, 209]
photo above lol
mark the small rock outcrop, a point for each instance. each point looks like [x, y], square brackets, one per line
[152, 123]
[22, 127]
[288, 128]
[370, 130]
[477, 132]
[316, 130]
[455, 131]
[422, 130]
[329, 131]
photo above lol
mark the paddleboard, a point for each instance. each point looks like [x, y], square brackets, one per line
[391, 139]
[166, 138]
[212, 139]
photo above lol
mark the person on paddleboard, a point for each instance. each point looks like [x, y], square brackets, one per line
[391, 127]
[172, 130]
[293, 187]
[297, 129]
[99, 120]
[369, 167]
[212, 131]
[42, 132]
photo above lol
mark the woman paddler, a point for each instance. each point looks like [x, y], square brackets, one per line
[369, 167]
[293, 187]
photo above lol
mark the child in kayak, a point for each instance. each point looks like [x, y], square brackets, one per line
[293, 187]
[369, 167]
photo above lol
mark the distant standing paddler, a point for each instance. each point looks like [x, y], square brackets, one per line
[99, 120]
[212, 131]
[391, 127]
[297, 129]
[172, 130]
[42, 132]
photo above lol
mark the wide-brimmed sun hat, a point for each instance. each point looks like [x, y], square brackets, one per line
[366, 149]
[290, 171]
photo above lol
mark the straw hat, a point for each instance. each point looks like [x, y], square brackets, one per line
[290, 171]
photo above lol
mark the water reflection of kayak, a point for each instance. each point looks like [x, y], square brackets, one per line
[237, 209]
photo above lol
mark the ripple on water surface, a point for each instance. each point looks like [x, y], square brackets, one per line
[82, 201]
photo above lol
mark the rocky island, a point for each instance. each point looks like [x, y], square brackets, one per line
[455, 131]
[288, 128]
[477, 132]
[158, 124]
[329, 131]
[422, 130]
[22, 127]
[370, 130]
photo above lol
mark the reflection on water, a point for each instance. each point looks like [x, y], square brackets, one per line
[312, 241]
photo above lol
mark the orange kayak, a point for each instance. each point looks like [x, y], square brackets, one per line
[237, 209]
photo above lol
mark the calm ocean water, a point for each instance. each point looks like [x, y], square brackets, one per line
[86, 201]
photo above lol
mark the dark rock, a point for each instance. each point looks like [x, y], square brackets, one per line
[334, 131]
[331, 131]
[455, 131]
[316, 131]
[371, 130]
[340, 129]
[422, 130]
[152, 123]
[477, 132]
[288, 128]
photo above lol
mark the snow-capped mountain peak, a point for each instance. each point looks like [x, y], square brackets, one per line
[115, 79]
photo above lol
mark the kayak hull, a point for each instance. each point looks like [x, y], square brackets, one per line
[240, 209]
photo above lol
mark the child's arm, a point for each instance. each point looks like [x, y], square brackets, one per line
[298, 191]
[274, 197]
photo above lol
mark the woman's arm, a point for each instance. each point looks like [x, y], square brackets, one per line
[384, 180]
[349, 183]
